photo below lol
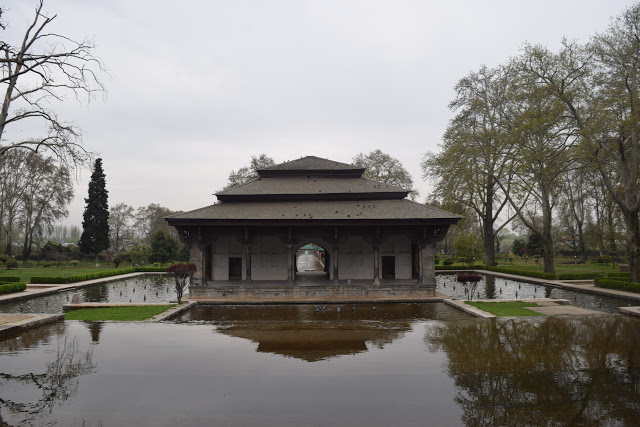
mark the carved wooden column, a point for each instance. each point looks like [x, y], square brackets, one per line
[376, 258]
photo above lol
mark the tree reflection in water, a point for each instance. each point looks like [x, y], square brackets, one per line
[559, 370]
[49, 389]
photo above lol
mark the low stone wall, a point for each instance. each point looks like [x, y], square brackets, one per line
[303, 291]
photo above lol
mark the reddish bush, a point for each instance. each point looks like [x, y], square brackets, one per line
[182, 273]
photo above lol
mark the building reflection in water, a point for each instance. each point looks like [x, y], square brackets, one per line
[319, 332]
[569, 371]
[28, 398]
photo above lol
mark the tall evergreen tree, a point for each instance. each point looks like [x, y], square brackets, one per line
[95, 223]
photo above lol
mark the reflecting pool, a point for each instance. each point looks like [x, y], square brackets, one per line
[148, 288]
[405, 364]
[493, 287]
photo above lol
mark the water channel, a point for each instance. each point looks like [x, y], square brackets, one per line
[319, 365]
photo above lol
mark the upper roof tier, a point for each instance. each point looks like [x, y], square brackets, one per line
[311, 165]
[298, 187]
[311, 178]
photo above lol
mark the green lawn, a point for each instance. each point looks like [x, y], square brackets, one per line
[135, 312]
[507, 308]
[26, 274]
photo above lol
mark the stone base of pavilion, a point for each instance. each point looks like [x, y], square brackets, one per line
[313, 291]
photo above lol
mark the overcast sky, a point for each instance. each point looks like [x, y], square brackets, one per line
[195, 88]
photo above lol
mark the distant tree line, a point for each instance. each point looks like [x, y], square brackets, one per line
[550, 141]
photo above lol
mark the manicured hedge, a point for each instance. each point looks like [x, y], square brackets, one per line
[578, 276]
[461, 267]
[97, 275]
[620, 276]
[8, 279]
[536, 274]
[618, 284]
[12, 287]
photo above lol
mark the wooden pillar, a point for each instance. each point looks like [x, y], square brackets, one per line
[290, 263]
[376, 258]
[247, 247]
[336, 278]
[427, 264]
[248, 263]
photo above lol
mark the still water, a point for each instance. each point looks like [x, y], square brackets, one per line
[493, 287]
[160, 289]
[400, 364]
[148, 288]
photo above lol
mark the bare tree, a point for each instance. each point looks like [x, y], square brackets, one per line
[37, 73]
[45, 199]
[247, 173]
[119, 217]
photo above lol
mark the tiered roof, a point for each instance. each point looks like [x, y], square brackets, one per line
[314, 191]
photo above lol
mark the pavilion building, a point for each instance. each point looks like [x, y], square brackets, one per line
[373, 240]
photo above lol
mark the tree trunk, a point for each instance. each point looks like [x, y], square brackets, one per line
[546, 235]
[633, 233]
[488, 235]
[97, 263]
[582, 248]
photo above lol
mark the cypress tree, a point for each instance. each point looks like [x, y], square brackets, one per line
[95, 223]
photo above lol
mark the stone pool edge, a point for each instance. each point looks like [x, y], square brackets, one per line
[33, 321]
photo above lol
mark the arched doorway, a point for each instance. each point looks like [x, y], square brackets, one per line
[311, 261]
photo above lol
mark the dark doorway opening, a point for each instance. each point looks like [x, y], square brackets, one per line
[388, 267]
[235, 268]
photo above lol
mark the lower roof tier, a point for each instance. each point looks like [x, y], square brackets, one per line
[316, 211]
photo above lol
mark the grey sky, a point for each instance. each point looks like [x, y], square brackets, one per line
[197, 87]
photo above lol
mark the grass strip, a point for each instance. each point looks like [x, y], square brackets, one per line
[134, 312]
[507, 308]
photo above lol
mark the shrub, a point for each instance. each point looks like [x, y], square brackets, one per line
[183, 274]
[620, 276]
[74, 263]
[461, 267]
[538, 275]
[11, 263]
[618, 284]
[8, 279]
[578, 276]
[12, 287]
[447, 261]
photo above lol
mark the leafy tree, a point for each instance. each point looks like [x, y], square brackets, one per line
[467, 247]
[140, 254]
[476, 150]
[519, 247]
[163, 247]
[35, 75]
[95, 224]
[247, 173]
[535, 247]
[382, 167]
